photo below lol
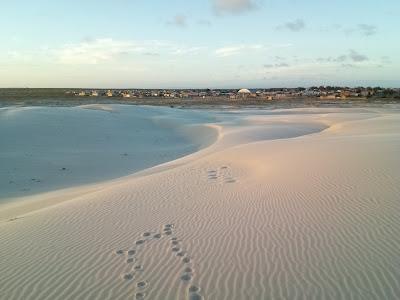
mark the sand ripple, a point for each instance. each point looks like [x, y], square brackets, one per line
[314, 217]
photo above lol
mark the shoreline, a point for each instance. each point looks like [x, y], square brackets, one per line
[16, 207]
[210, 102]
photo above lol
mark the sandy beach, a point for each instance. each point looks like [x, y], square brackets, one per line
[269, 204]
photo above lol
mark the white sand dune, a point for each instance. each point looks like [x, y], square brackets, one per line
[298, 204]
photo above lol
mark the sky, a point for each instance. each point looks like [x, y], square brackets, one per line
[199, 43]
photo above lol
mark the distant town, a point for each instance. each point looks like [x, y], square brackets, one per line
[273, 97]
[322, 92]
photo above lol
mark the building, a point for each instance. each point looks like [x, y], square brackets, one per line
[126, 95]
[243, 93]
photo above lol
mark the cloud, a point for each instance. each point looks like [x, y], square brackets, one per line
[233, 6]
[357, 57]
[295, 26]
[367, 29]
[178, 20]
[96, 51]
[235, 50]
[340, 58]
[352, 56]
[360, 29]
[239, 49]
[348, 66]
[184, 50]
[279, 65]
[151, 54]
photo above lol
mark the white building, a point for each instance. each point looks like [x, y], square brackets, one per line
[243, 93]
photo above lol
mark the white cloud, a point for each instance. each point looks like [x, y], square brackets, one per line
[96, 51]
[233, 6]
[240, 49]
[183, 50]
[234, 50]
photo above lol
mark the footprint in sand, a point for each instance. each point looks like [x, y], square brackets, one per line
[140, 296]
[130, 260]
[186, 277]
[168, 229]
[221, 174]
[175, 244]
[138, 268]
[225, 175]
[141, 284]
[194, 293]
[230, 180]
[175, 249]
[195, 296]
[127, 276]
[187, 274]
[193, 289]
[13, 219]
[212, 174]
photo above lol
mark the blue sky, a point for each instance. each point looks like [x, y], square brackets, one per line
[202, 43]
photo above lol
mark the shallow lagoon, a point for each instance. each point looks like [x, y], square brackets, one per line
[48, 148]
